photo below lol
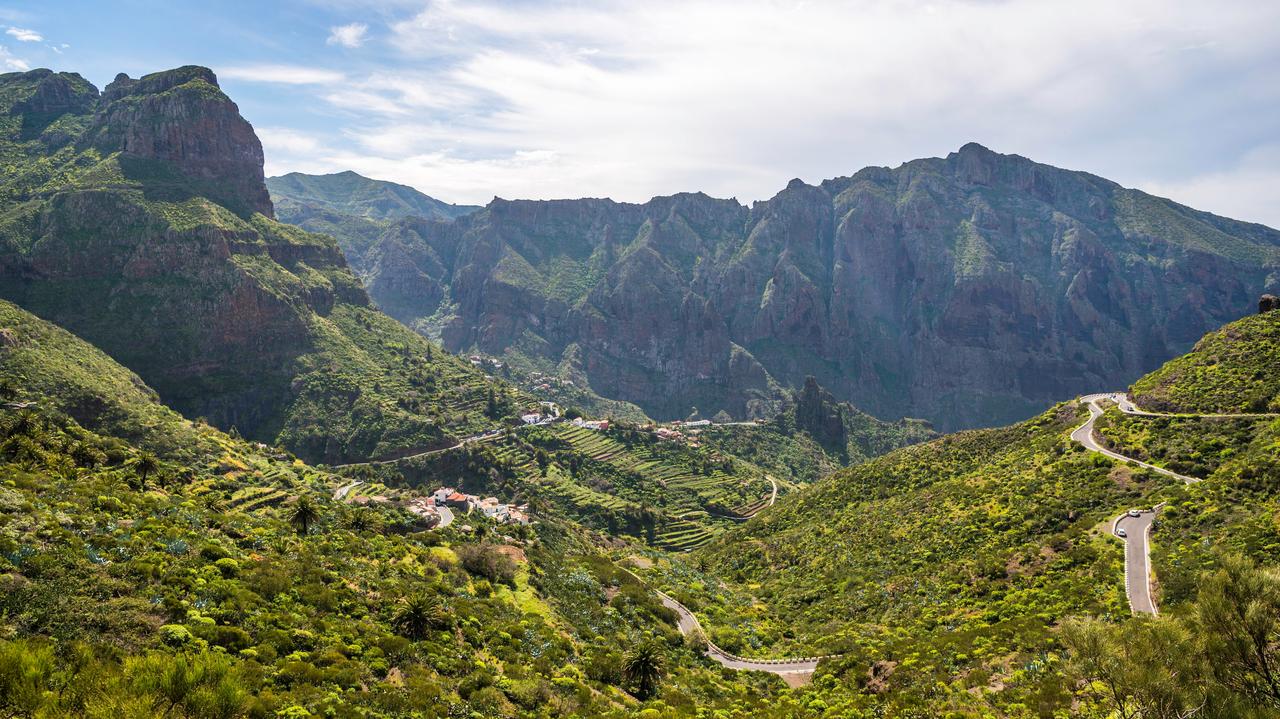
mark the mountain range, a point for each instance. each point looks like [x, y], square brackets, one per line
[232, 485]
[970, 290]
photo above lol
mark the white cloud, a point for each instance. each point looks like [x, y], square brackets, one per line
[282, 74]
[1250, 190]
[24, 35]
[11, 63]
[285, 140]
[735, 97]
[351, 35]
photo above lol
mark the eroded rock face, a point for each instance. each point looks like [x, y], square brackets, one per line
[182, 118]
[970, 290]
[210, 308]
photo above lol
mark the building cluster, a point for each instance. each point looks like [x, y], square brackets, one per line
[544, 382]
[547, 412]
[599, 425]
[486, 363]
[489, 506]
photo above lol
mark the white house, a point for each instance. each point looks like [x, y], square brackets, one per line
[494, 509]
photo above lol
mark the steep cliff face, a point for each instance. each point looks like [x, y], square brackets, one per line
[973, 289]
[180, 117]
[139, 220]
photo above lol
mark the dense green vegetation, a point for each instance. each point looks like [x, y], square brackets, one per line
[1231, 370]
[1217, 660]
[215, 579]
[623, 481]
[949, 561]
[1194, 446]
[814, 435]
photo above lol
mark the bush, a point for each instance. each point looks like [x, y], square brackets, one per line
[175, 635]
[228, 567]
[487, 560]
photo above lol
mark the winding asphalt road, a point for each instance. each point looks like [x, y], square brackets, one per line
[1137, 559]
[485, 437]
[795, 671]
[1087, 437]
[446, 517]
[341, 492]
[1137, 530]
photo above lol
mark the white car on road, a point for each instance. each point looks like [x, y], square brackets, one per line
[1121, 533]
[1135, 512]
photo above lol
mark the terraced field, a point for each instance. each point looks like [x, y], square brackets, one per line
[685, 536]
[672, 496]
[683, 488]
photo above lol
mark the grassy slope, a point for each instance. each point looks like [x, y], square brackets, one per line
[795, 456]
[352, 194]
[1230, 370]
[201, 562]
[70, 376]
[951, 561]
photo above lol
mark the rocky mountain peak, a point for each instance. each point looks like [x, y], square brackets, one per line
[56, 93]
[181, 117]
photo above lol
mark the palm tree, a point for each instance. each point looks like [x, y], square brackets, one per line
[362, 520]
[145, 464]
[643, 668]
[8, 390]
[23, 450]
[420, 614]
[85, 454]
[22, 423]
[305, 513]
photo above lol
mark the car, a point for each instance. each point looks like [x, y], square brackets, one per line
[1135, 512]
[1121, 533]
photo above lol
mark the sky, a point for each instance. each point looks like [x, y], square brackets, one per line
[543, 99]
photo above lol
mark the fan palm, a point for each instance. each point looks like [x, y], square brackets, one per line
[145, 464]
[643, 668]
[305, 514]
[419, 614]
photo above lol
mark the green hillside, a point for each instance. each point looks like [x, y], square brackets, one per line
[189, 583]
[1231, 370]
[351, 194]
[955, 555]
[944, 573]
[48, 366]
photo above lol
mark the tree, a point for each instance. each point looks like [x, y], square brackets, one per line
[362, 520]
[305, 514]
[144, 465]
[1239, 617]
[491, 404]
[487, 560]
[85, 454]
[1147, 670]
[8, 390]
[24, 422]
[420, 614]
[643, 669]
